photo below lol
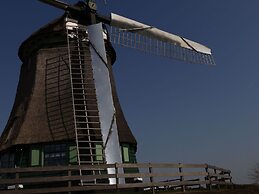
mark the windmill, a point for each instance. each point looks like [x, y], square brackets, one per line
[78, 109]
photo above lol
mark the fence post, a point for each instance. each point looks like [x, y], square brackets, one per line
[69, 181]
[151, 177]
[217, 179]
[17, 182]
[181, 177]
[208, 186]
[117, 177]
[232, 185]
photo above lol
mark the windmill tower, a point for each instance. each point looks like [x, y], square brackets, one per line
[66, 109]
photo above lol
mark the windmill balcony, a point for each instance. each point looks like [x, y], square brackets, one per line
[66, 179]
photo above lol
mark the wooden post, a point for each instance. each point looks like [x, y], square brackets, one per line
[217, 178]
[208, 186]
[69, 182]
[181, 177]
[117, 177]
[151, 177]
[17, 182]
[232, 185]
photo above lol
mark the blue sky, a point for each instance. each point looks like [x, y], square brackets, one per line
[178, 112]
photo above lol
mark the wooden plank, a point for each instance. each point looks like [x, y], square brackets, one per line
[157, 184]
[105, 166]
[55, 179]
[220, 169]
[181, 183]
[177, 174]
[134, 175]
[135, 185]
[169, 165]
[193, 165]
[133, 165]
[56, 168]
[59, 189]
[164, 165]
[221, 183]
[226, 176]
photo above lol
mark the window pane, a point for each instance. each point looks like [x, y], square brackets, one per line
[126, 154]
[72, 154]
[99, 152]
[35, 157]
[55, 154]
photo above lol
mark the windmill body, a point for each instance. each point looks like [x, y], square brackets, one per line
[56, 119]
[66, 109]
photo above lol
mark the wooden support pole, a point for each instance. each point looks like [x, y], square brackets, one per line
[208, 186]
[217, 179]
[17, 182]
[69, 182]
[117, 177]
[232, 185]
[151, 177]
[181, 177]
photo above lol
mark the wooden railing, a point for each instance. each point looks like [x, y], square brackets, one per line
[148, 176]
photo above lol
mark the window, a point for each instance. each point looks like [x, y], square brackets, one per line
[7, 160]
[125, 153]
[55, 154]
[35, 156]
[99, 152]
[24, 157]
[72, 154]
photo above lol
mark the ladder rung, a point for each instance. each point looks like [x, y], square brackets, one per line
[82, 83]
[86, 148]
[92, 135]
[86, 110]
[89, 162]
[81, 93]
[84, 89]
[85, 104]
[87, 141]
[88, 128]
[78, 116]
[85, 93]
[90, 155]
[82, 73]
[81, 108]
[85, 122]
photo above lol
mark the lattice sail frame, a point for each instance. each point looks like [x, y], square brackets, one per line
[133, 34]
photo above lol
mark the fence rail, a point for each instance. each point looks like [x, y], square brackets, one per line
[148, 176]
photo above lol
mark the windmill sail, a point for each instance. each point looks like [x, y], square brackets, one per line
[133, 34]
[56, 3]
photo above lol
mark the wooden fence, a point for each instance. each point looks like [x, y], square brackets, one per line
[148, 176]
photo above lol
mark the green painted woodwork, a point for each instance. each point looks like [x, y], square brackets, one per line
[129, 156]
[35, 156]
[72, 154]
[128, 153]
[125, 153]
[99, 152]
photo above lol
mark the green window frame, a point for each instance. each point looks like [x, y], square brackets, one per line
[125, 153]
[72, 154]
[35, 156]
[99, 152]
